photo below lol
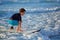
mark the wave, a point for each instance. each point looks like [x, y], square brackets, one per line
[44, 21]
[32, 9]
[30, 1]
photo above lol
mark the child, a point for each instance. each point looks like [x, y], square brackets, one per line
[17, 17]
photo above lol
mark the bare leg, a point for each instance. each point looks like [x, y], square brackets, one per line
[11, 29]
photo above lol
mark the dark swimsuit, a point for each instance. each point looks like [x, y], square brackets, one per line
[15, 19]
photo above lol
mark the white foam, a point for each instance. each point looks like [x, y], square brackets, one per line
[12, 38]
[39, 38]
[2, 28]
[31, 9]
[2, 35]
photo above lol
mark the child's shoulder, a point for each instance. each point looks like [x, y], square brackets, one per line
[16, 14]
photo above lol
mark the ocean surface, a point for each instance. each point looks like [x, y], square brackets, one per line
[40, 14]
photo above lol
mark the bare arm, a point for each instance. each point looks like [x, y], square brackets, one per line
[20, 24]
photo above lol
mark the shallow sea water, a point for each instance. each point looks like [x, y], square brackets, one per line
[40, 14]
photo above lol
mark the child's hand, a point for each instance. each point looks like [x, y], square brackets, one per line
[19, 29]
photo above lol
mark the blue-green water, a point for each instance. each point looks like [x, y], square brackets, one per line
[40, 14]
